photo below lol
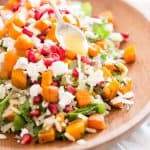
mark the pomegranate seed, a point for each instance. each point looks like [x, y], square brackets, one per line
[125, 36]
[48, 62]
[37, 99]
[71, 89]
[27, 32]
[55, 84]
[16, 7]
[35, 113]
[50, 11]
[26, 139]
[31, 56]
[75, 73]
[42, 38]
[86, 60]
[68, 108]
[65, 11]
[102, 83]
[37, 14]
[45, 52]
[53, 108]
[54, 56]
[62, 53]
[53, 49]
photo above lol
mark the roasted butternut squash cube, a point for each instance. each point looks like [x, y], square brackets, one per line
[76, 128]
[23, 43]
[42, 24]
[19, 79]
[126, 87]
[46, 136]
[83, 98]
[110, 90]
[46, 78]
[96, 121]
[50, 94]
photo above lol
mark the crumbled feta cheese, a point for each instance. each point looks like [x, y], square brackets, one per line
[95, 78]
[34, 3]
[22, 63]
[69, 137]
[91, 130]
[91, 35]
[59, 68]
[45, 16]
[117, 37]
[32, 72]
[82, 117]
[1, 24]
[37, 42]
[6, 14]
[49, 43]
[8, 43]
[40, 66]
[23, 132]
[35, 90]
[2, 91]
[49, 122]
[65, 98]
[109, 27]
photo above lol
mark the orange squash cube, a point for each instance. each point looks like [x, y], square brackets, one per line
[46, 78]
[50, 94]
[83, 98]
[23, 43]
[14, 31]
[96, 121]
[129, 54]
[94, 50]
[46, 136]
[76, 128]
[42, 24]
[126, 87]
[19, 79]
[106, 72]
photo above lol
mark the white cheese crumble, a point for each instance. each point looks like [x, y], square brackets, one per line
[2, 56]
[65, 98]
[35, 90]
[59, 68]
[34, 3]
[1, 23]
[6, 14]
[8, 43]
[95, 78]
[116, 37]
[22, 63]
[23, 132]
[2, 91]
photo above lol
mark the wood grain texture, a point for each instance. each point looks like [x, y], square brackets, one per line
[129, 20]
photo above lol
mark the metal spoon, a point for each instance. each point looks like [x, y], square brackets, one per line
[70, 37]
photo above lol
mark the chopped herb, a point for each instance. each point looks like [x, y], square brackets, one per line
[36, 130]
[60, 136]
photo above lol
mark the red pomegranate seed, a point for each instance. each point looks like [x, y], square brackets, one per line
[65, 11]
[102, 83]
[71, 89]
[37, 14]
[16, 7]
[26, 139]
[75, 73]
[125, 36]
[53, 49]
[54, 56]
[55, 84]
[35, 113]
[53, 108]
[86, 60]
[68, 108]
[31, 56]
[48, 62]
[42, 38]
[45, 52]
[27, 32]
[62, 53]
[37, 99]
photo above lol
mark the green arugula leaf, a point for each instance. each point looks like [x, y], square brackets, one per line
[99, 29]
[36, 130]
[19, 122]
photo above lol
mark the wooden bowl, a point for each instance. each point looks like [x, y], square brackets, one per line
[128, 19]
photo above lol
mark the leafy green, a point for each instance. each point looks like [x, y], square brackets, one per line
[60, 136]
[3, 105]
[103, 57]
[99, 29]
[36, 130]
[1, 81]
[98, 108]
[19, 122]
[86, 8]
[25, 109]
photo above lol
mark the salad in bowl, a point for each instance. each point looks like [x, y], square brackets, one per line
[50, 93]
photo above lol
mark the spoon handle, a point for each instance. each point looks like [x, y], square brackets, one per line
[58, 15]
